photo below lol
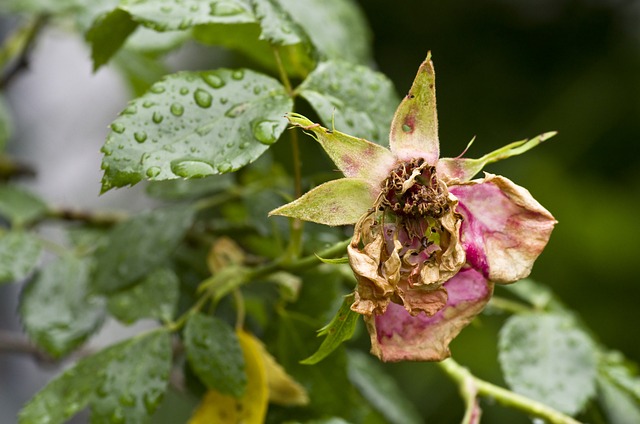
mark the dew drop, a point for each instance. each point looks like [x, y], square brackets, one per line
[257, 90]
[192, 169]
[213, 80]
[202, 98]
[265, 131]
[224, 8]
[147, 104]
[140, 136]
[176, 109]
[230, 144]
[406, 128]
[157, 117]
[222, 168]
[153, 171]
[223, 100]
[243, 145]
[118, 128]
[185, 23]
[157, 88]
[184, 90]
[238, 74]
[236, 110]
[130, 110]
[127, 399]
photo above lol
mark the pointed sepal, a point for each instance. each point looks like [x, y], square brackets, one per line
[414, 130]
[463, 169]
[355, 157]
[337, 202]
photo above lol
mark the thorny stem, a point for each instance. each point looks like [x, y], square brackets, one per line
[466, 380]
[295, 243]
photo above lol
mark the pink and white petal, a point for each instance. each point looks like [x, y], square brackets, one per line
[414, 130]
[337, 202]
[398, 336]
[504, 229]
[355, 157]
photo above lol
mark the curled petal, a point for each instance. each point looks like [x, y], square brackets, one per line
[504, 228]
[355, 157]
[337, 202]
[414, 130]
[398, 336]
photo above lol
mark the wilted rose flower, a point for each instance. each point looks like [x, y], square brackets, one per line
[429, 242]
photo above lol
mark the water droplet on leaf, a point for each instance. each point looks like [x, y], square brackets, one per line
[192, 169]
[184, 90]
[176, 109]
[140, 136]
[202, 98]
[224, 8]
[157, 117]
[153, 171]
[223, 168]
[130, 110]
[236, 110]
[119, 128]
[265, 131]
[157, 88]
[238, 74]
[213, 80]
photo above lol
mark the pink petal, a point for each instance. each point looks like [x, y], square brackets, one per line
[397, 336]
[504, 228]
[414, 130]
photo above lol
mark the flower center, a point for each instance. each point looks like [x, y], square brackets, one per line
[413, 189]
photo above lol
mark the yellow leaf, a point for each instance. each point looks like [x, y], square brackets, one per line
[217, 408]
[283, 389]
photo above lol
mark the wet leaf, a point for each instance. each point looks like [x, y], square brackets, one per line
[134, 380]
[380, 389]
[139, 245]
[56, 309]
[357, 100]
[107, 34]
[548, 358]
[195, 124]
[19, 255]
[155, 297]
[339, 330]
[20, 206]
[215, 355]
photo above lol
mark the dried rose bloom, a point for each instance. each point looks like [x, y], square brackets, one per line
[429, 242]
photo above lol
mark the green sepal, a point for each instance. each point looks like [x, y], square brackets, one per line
[463, 169]
[337, 202]
[355, 157]
[19, 255]
[339, 330]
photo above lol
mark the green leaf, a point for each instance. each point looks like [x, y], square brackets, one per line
[380, 389]
[330, 392]
[276, 24]
[622, 373]
[359, 101]
[107, 34]
[140, 69]
[56, 310]
[548, 358]
[339, 330]
[335, 261]
[134, 380]
[619, 406]
[297, 59]
[214, 353]
[188, 189]
[19, 206]
[19, 255]
[195, 124]
[337, 202]
[139, 245]
[155, 297]
[68, 393]
[337, 28]
[171, 15]
[6, 126]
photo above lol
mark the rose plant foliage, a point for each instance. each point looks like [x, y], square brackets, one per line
[236, 286]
